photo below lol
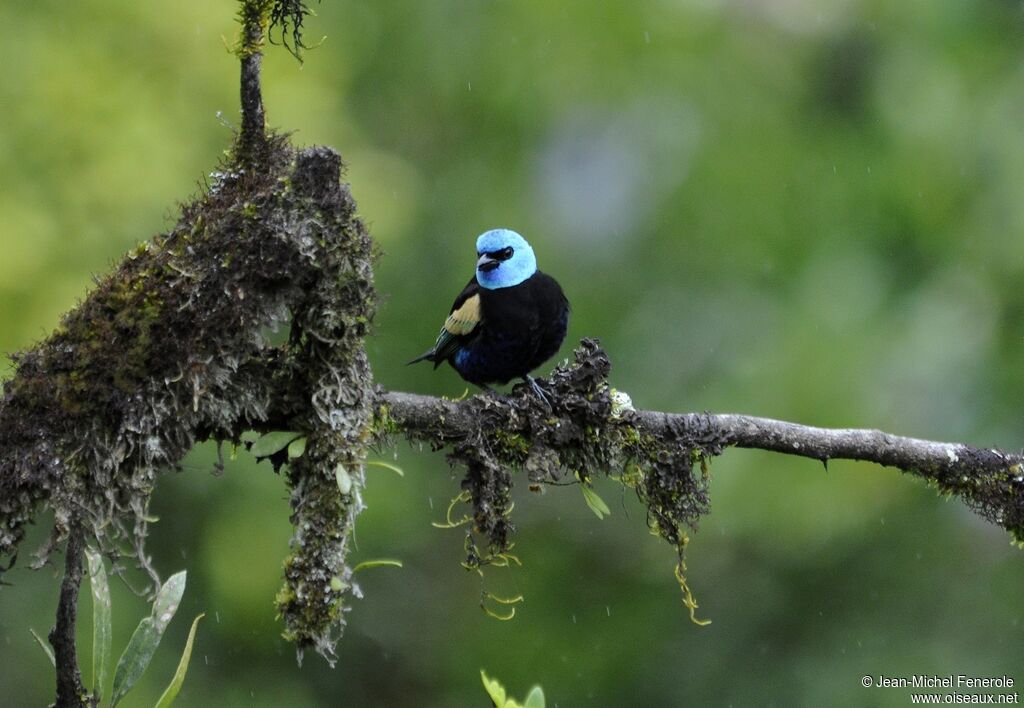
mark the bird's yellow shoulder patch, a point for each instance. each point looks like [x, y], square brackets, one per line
[464, 319]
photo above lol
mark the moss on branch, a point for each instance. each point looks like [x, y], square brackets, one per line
[169, 349]
[664, 456]
[589, 430]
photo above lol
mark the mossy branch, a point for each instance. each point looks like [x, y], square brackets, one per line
[71, 692]
[257, 19]
[989, 481]
[170, 349]
[254, 19]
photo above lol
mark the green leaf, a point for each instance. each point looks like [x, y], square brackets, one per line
[595, 502]
[168, 599]
[146, 638]
[297, 448]
[535, 698]
[273, 442]
[249, 436]
[45, 647]
[380, 562]
[101, 624]
[494, 689]
[171, 692]
[135, 659]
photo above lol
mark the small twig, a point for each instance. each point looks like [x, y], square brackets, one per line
[254, 17]
[70, 690]
[253, 117]
[923, 457]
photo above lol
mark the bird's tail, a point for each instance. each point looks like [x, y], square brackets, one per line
[426, 356]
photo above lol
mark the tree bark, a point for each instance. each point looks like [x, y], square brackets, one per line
[990, 481]
[70, 690]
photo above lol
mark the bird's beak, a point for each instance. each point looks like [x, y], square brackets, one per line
[486, 263]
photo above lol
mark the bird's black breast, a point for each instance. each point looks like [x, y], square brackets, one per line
[522, 327]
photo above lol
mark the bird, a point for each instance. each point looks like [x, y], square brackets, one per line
[508, 320]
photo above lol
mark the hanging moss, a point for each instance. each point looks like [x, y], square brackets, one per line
[288, 16]
[589, 431]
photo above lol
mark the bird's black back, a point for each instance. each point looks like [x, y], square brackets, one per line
[522, 327]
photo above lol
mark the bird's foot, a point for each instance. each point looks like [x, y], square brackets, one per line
[539, 391]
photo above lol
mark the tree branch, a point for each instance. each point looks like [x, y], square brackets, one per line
[927, 458]
[990, 481]
[254, 17]
[446, 420]
[169, 349]
[70, 690]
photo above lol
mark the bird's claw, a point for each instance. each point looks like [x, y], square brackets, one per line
[539, 391]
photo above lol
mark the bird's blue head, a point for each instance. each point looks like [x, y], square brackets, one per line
[506, 259]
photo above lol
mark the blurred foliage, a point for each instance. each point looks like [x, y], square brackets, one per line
[500, 699]
[806, 210]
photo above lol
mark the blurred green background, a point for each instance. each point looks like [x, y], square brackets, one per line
[797, 209]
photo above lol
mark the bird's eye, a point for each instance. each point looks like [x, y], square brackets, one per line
[504, 254]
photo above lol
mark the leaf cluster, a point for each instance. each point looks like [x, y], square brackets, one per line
[138, 653]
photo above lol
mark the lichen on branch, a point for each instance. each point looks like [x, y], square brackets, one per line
[170, 349]
[587, 430]
[658, 452]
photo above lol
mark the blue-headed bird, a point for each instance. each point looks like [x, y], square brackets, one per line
[508, 320]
